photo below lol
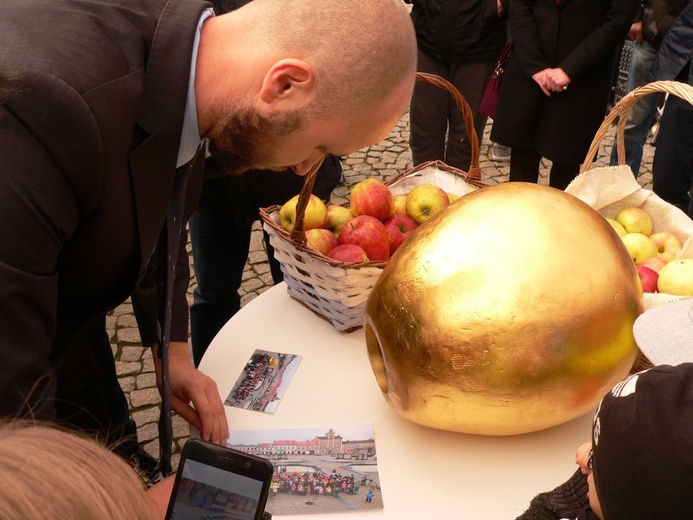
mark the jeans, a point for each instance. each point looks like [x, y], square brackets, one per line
[434, 115]
[220, 231]
[641, 115]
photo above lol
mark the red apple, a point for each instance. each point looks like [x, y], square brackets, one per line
[322, 240]
[648, 278]
[348, 253]
[425, 200]
[371, 197]
[398, 228]
[667, 245]
[368, 233]
[337, 216]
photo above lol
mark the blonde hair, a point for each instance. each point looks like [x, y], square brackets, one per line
[361, 49]
[51, 474]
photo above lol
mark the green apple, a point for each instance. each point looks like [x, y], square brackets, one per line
[635, 220]
[617, 226]
[425, 200]
[314, 216]
[676, 277]
[639, 247]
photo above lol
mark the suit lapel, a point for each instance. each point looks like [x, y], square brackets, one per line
[153, 160]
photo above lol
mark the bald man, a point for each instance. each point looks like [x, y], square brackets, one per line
[105, 104]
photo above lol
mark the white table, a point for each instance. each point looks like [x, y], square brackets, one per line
[424, 473]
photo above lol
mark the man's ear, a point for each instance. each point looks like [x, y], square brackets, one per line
[288, 79]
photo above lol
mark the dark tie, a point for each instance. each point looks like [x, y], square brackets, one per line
[168, 254]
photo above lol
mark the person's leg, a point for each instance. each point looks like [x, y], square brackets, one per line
[220, 249]
[562, 174]
[470, 79]
[671, 169]
[274, 264]
[524, 165]
[428, 114]
[641, 116]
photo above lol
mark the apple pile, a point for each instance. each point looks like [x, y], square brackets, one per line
[373, 227]
[654, 254]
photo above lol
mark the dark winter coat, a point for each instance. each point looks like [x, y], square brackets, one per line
[579, 36]
[676, 52]
[459, 30]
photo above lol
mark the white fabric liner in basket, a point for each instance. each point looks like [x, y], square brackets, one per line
[613, 188]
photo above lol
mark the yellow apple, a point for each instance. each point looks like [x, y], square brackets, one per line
[639, 247]
[425, 200]
[676, 277]
[635, 220]
[314, 216]
[617, 226]
[667, 244]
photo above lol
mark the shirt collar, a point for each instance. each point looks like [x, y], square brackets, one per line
[190, 139]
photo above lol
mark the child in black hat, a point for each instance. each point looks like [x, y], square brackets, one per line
[639, 464]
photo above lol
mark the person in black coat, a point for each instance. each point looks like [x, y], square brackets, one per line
[555, 90]
[461, 41]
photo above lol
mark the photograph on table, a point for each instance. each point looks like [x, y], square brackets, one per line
[317, 470]
[263, 381]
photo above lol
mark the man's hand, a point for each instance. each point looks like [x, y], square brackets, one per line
[194, 396]
[499, 8]
[635, 32]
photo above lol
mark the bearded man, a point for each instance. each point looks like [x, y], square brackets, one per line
[106, 107]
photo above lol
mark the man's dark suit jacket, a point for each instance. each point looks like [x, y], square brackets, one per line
[88, 148]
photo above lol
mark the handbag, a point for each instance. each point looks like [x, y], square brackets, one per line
[489, 99]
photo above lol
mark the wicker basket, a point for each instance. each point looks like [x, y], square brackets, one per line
[616, 187]
[338, 291]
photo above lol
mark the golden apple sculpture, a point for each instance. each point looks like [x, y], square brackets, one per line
[510, 311]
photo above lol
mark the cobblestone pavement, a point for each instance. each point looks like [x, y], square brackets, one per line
[383, 160]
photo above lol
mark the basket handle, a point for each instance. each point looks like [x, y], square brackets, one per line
[623, 108]
[474, 173]
[298, 235]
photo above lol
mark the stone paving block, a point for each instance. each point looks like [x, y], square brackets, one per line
[126, 369]
[131, 353]
[146, 415]
[147, 380]
[128, 335]
[148, 396]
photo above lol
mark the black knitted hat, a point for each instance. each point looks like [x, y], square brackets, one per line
[643, 446]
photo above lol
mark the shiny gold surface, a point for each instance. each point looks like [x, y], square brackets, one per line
[509, 312]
